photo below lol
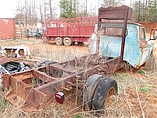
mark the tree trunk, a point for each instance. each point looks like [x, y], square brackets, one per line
[145, 14]
[50, 5]
[139, 11]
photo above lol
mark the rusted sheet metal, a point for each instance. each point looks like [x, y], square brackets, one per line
[7, 28]
[5, 60]
[115, 13]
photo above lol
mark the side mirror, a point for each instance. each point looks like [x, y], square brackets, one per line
[155, 35]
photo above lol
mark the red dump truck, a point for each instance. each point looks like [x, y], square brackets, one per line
[70, 30]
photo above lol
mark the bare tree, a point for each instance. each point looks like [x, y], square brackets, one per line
[139, 11]
[107, 3]
[41, 12]
[50, 5]
[26, 12]
[145, 14]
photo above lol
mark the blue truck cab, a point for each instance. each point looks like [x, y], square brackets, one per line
[137, 48]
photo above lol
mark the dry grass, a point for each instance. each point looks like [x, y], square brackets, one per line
[137, 96]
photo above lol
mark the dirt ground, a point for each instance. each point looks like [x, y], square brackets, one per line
[137, 89]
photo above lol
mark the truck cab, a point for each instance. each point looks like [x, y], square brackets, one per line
[137, 48]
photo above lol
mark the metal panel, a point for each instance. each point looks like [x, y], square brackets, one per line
[5, 60]
[115, 13]
[107, 24]
[7, 28]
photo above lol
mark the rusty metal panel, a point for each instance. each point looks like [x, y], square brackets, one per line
[117, 13]
[7, 28]
[5, 60]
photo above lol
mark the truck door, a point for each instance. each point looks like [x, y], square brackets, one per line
[145, 46]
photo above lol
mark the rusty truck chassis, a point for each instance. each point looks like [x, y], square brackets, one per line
[34, 90]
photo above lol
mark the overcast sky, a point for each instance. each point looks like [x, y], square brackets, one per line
[8, 7]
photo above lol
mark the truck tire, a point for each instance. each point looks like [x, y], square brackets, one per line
[89, 89]
[104, 90]
[58, 41]
[67, 41]
[80, 43]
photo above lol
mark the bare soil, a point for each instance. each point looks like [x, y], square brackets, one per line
[137, 90]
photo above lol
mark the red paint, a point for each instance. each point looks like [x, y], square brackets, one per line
[78, 29]
[7, 28]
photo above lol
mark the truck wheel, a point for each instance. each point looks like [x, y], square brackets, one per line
[59, 41]
[89, 89]
[80, 43]
[67, 41]
[104, 90]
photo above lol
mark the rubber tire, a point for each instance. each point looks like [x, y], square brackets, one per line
[59, 41]
[89, 89]
[101, 92]
[67, 43]
[80, 43]
[73, 43]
